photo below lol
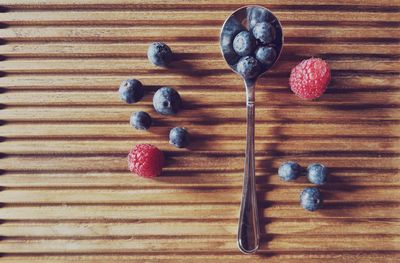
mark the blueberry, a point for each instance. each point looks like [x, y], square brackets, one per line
[140, 120]
[159, 54]
[289, 171]
[317, 173]
[266, 55]
[167, 101]
[244, 43]
[264, 32]
[311, 198]
[231, 28]
[256, 15]
[179, 137]
[131, 90]
[248, 67]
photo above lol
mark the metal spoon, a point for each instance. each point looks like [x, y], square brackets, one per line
[245, 18]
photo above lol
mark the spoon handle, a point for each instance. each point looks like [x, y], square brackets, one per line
[249, 230]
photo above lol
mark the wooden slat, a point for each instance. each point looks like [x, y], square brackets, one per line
[175, 3]
[184, 162]
[81, 214]
[122, 230]
[179, 18]
[192, 97]
[203, 67]
[266, 131]
[278, 243]
[36, 144]
[180, 33]
[89, 82]
[26, 49]
[371, 256]
[176, 179]
[30, 114]
[186, 196]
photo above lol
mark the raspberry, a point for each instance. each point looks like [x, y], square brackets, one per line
[309, 79]
[146, 160]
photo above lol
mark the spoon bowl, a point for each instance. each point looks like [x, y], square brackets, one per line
[244, 19]
[251, 42]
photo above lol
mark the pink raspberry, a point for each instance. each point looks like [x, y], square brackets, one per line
[146, 160]
[310, 78]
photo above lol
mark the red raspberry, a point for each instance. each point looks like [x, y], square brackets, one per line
[310, 78]
[145, 160]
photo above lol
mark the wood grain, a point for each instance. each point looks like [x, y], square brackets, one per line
[66, 195]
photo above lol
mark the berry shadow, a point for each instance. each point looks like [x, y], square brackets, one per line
[158, 122]
[4, 9]
[276, 133]
[191, 69]
[339, 186]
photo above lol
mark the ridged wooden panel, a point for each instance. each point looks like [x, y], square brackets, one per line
[66, 195]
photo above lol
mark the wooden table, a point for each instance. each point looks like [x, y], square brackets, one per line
[66, 194]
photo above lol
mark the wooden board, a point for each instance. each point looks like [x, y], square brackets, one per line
[66, 195]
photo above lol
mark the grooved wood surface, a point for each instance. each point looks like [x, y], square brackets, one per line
[66, 195]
